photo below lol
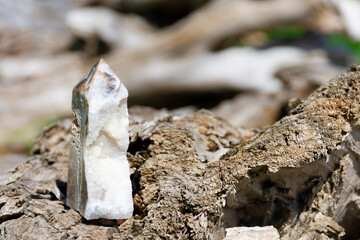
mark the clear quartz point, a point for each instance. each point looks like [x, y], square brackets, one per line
[99, 184]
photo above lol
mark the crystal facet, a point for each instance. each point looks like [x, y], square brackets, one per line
[99, 183]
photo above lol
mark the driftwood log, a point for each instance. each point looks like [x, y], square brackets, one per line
[194, 54]
[194, 175]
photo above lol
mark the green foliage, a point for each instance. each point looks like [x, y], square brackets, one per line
[282, 33]
[344, 42]
[27, 134]
[286, 33]
[333, 41]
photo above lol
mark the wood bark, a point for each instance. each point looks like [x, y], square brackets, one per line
[194, 175]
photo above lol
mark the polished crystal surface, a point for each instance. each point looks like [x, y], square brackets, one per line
[99, 183]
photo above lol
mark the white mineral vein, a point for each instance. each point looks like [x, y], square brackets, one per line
[99, 183]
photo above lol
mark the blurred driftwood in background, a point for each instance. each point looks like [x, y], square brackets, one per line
[168, 53]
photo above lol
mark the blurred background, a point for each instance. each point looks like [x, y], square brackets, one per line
[249, 61]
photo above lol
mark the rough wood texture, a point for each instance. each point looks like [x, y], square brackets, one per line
[193, 177]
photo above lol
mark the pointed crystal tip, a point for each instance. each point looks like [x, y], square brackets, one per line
[100, 73]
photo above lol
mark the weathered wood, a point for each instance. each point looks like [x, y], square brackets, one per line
[193, 176]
